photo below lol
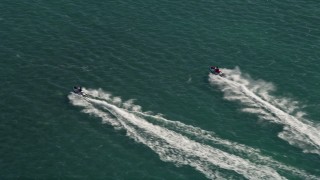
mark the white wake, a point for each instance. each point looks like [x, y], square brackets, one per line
[183, 144]
[256, 98]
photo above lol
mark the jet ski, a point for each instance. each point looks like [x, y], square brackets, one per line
[215, 70]
[78, 90]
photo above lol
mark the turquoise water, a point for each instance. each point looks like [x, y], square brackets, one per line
[247, 125]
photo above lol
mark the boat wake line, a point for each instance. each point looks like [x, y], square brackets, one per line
[255, 96]
[183, 144]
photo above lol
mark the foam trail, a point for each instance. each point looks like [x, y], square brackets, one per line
[255, 95]
[232, 147]
[176, 125]
[90, 109]
[174, 147]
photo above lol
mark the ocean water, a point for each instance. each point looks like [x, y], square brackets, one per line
[153, 110]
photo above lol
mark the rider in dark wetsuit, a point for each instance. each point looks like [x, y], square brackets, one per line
[77, 89]
[215, 69]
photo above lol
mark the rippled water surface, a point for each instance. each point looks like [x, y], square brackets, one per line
[153, 111]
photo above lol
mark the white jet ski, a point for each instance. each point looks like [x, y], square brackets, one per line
[78, 90]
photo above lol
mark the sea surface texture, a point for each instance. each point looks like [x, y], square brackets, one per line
[152, 109]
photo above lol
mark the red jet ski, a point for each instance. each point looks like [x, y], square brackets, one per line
[215, 70]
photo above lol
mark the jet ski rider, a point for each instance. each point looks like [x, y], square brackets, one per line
[77, 89]
[216, 69]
